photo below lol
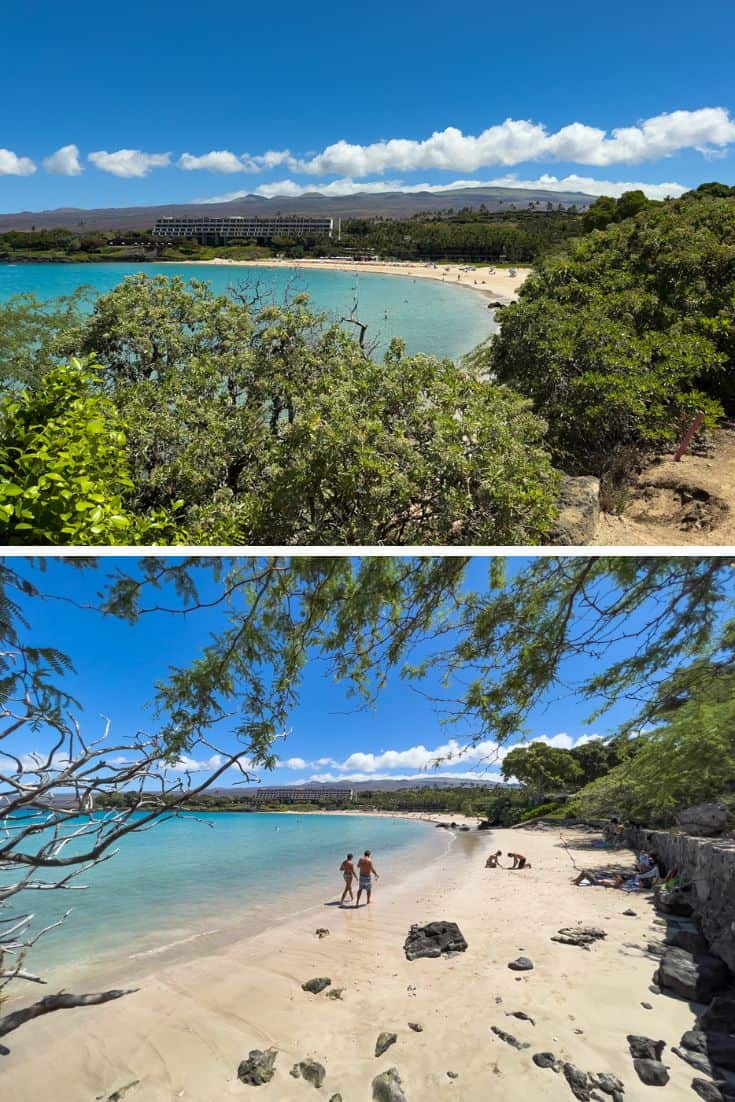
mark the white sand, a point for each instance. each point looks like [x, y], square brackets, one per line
[492, 282]
[184, 1034]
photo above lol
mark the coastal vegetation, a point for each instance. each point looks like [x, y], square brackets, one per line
[658, 632]
[620, 338]
[244, 422]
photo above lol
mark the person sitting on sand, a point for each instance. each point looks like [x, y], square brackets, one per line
[492, 861]
[367, 871]
[348, 871]
[519, 861]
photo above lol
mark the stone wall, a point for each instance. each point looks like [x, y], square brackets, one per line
[709, 865]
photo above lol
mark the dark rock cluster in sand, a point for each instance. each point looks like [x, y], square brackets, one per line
[433, 940]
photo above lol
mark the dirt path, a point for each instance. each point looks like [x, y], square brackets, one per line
[687, 503]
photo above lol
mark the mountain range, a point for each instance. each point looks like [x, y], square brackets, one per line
[389, 204]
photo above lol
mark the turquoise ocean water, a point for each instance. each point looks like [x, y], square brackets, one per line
[196, 878]
[433, 317]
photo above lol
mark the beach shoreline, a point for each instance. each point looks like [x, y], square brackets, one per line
[494, 284]
[189, 1026]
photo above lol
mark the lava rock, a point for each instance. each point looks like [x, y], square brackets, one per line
[387, 1087]
[434, 939]
[313, 1072]
[336, 1098]
[453, 1074]
[689, 939]
[416, 1027]
[384, 1041]
[578, 511]
[582, 936]
[521, 1015]
[509, 1038]
[608, 1083]
[720, 1014]
[545, 1060]
[695, 976]
[719, 1048]
[321, 931]
[316, 985]
[713, 1092]
[630, 913]
[677, 901]
[258, 1068]
[522, 964]
[651, 1072]
[705, 820]
[643, 1048]
[335, 993]
[579, 1082]
[696, 1060]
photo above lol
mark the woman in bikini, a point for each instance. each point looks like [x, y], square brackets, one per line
[348, 871]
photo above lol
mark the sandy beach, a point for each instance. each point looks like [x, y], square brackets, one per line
[183, 1035]
[493, 283]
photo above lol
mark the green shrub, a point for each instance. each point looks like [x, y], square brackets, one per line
[64, 475]
[619, 340]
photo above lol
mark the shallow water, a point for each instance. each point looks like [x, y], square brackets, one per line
[430, 316]
[196, 876]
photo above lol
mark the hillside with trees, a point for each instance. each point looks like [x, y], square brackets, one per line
[621, 337]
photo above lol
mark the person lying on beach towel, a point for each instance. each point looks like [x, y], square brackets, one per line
[492, 861]
[635, 883]
[519, 861]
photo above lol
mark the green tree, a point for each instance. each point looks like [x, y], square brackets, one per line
[64, 476]
[274, 428]
[620, 339]
[542, 768]
[688, 758]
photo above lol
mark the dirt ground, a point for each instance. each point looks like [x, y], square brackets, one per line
[687, 503]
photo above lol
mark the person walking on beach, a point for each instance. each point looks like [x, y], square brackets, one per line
[348, 871]
[367, 871]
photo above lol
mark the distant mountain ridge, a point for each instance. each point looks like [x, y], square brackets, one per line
[389, 204]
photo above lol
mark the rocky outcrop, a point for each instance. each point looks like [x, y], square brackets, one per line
[434, 939]
[387, 1087]
[706, 820]
[695, 976]
[384, 1041]
[509, 1038]
[316, 985]
[579, 511]
[258, 1068]
[708, 866]
[582, 936]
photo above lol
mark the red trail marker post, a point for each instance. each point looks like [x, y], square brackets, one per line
[689, 435]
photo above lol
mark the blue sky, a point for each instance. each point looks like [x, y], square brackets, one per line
[117, 665]
[343, 97]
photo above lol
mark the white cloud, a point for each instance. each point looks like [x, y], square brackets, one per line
[64, 162]
[328, 778]
[13, 165]
[129, 163]
[517, 141]
[293, 763]
[289, 189]
[363, 766]
[219, 160]
[192, 765]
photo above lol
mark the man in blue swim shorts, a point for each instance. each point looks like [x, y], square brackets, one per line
[367, 872]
